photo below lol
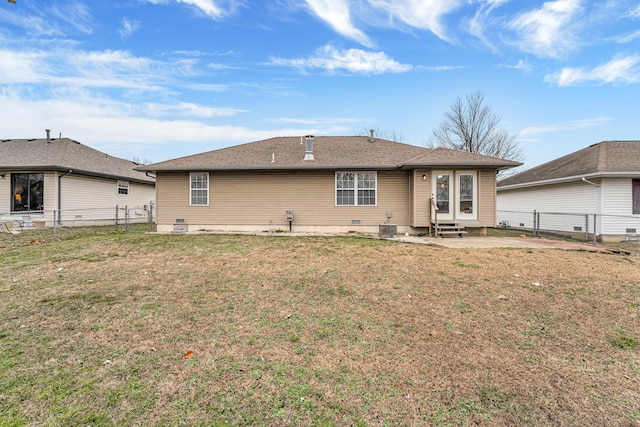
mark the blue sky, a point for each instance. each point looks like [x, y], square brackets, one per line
[160, 79]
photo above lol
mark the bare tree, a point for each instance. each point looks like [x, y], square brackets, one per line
[474, 127]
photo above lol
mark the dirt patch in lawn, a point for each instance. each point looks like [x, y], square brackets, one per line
[315, 331]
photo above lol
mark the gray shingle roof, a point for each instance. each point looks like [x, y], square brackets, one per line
[606, 157]
[65, 154]
[330, 152]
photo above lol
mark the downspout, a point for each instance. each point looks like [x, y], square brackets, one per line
[595, 226]
[60, 194]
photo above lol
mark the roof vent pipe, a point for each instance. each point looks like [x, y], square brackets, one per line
[48, 134]
[308, 155]
[372, 137]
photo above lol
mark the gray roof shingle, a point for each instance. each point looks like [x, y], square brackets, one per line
[601, 158]
[65, 154]
[330, 152]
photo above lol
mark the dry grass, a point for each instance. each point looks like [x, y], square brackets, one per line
[314, 331]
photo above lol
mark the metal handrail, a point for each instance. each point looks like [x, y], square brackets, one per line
[434, 212]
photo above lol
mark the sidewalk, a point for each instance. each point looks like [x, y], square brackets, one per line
[506, 242]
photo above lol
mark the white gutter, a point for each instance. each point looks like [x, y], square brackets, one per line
[570, 178]
[589, 182]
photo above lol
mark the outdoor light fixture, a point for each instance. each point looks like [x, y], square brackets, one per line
[424, 177]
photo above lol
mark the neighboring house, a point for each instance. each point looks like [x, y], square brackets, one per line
[325, 184]
[41, 176]
[602, 179]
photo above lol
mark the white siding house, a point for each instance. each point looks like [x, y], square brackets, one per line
[601, 180]
[45, 178]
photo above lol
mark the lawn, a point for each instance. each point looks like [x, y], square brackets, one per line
[125, 329]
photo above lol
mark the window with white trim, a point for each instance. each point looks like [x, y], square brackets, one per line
[123, 187]
[199, 184]
[356, 188]
[466, 192]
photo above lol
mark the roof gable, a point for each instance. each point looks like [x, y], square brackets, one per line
[65, 154]
[329, 152]
[601, 158]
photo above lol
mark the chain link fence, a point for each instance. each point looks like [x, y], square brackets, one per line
[586, 227]
[41, 225]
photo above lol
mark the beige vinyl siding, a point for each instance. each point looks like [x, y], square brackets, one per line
[487, 198]
[5, 192]
[421, 192]
[261, 199]
[50, 193]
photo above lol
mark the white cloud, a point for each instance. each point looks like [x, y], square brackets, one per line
[215, 9]
[422, 14]
[122, 129]
[480, 22]
[352, 60]
[635, 12]
[336, 13]
[128, 28]
[50, 20]
[22, 67]
[625, 70]
[77, 68]
[548, 31]
[76, 14]
[189, 109]
[530, 131]
[627, 38]
[520, 65]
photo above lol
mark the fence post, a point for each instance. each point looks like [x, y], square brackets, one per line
[126, 218]
[117, 210]
[55, 229]
[150, 219]
[586, 231]
[595, 230]
[534, 223]
[538, 231]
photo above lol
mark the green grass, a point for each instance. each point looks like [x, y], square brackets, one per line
[311, 331]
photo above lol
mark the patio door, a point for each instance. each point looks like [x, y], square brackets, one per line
[456, 195]
[443, 193]
[466, 195]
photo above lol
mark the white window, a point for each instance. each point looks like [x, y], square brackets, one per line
[123, 187]
[199, 189]
[466, 193]
[356, 188]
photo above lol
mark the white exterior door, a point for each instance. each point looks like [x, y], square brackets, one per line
[466, 197]
[456, 194]
[443, 193]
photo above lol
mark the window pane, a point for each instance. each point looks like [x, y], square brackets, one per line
[345, 197]
[466, 193]
[366, 180]
[200, 189]
[28, 191]
[345, 180]
[442, 193]
[123, 187]
[350, 183]
[366, 197]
